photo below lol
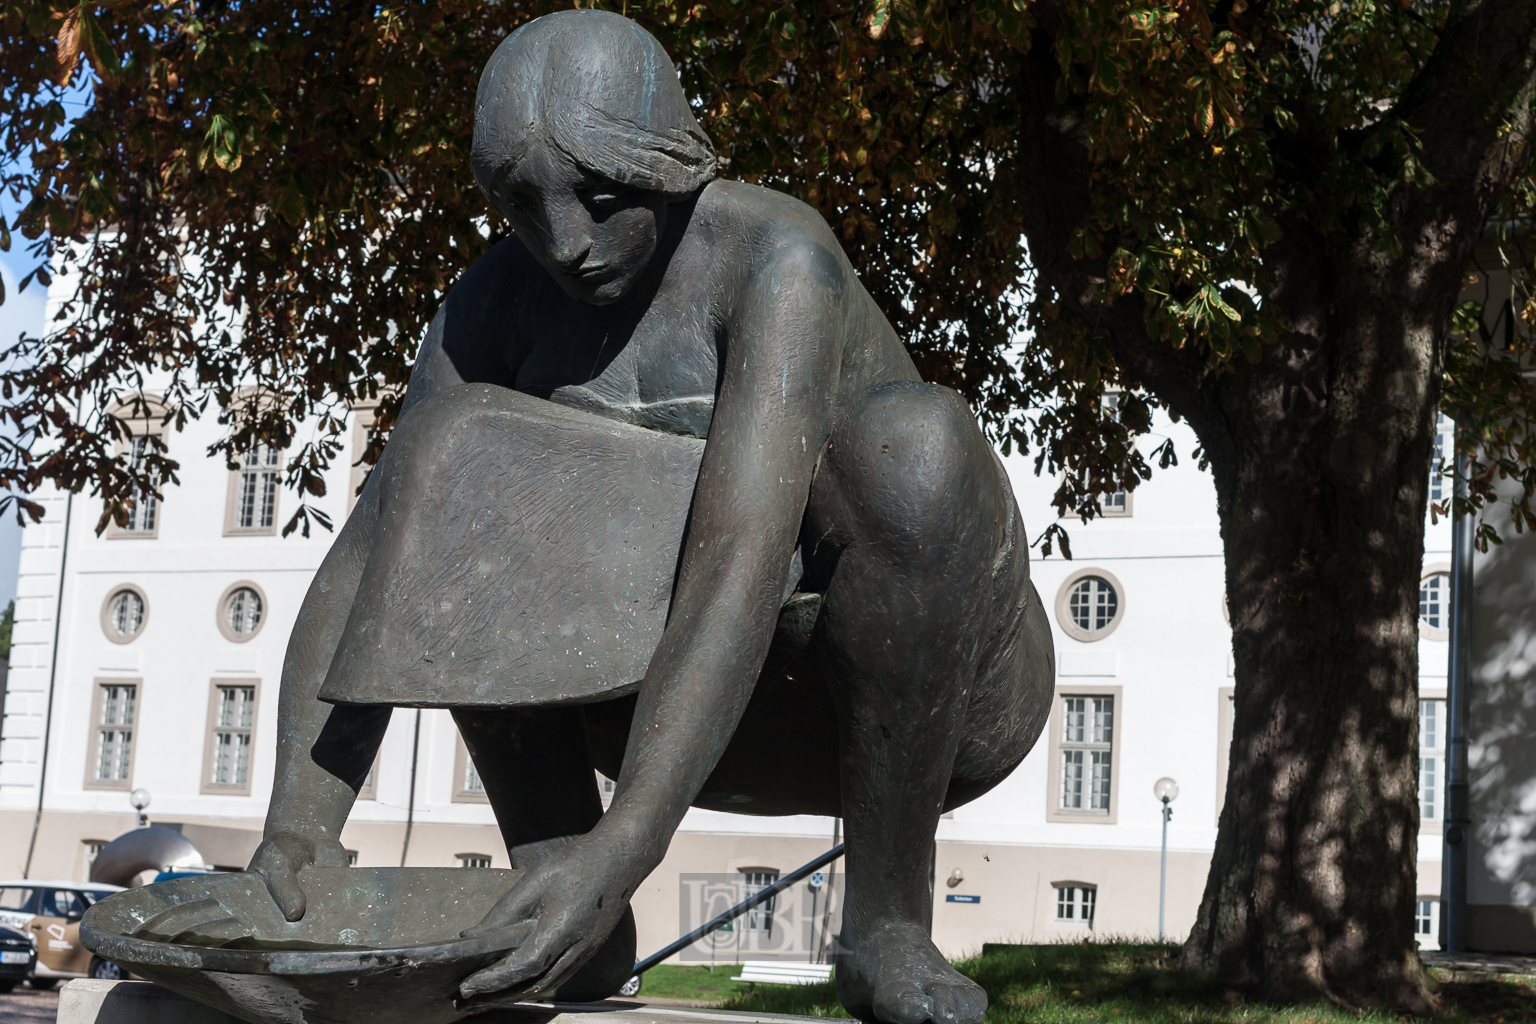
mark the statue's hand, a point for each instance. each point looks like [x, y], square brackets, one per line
[280, 858]
[569, 905]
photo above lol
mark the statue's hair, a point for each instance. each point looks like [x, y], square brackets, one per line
[599, 87]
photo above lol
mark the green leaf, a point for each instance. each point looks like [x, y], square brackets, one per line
[98, 47]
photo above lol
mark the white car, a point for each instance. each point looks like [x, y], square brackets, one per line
[50, 912]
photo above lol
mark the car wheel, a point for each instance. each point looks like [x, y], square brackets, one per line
[106, 970]
[631, 987]
[6, 986]
[42, 984]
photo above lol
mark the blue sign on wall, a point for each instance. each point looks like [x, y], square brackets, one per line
[956, 898]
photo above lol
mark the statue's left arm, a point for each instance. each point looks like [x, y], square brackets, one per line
[773, 414]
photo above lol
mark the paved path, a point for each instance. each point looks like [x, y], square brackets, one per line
[26, 1005]
[1481, 963]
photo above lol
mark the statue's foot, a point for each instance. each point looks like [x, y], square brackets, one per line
[896, 975]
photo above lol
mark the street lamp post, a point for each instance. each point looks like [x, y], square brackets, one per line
[140, 800]
[1166, 790]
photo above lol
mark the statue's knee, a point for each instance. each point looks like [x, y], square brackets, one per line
[914, 461]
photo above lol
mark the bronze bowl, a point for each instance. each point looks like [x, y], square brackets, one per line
[375, 945]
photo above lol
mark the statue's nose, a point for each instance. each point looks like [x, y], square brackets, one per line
[569, 253]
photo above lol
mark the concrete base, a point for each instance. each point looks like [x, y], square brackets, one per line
[88, 1001]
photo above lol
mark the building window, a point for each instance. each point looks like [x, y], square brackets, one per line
[351, 858]
[113, 721]
[474, 860]
[468, 788]
[1075, 904]
[124, 614]
[93, 848]
[369, 789]
[242, 610]
[141, 518]
[754, 881]
[253, 491]
[231, 722]
[1441, 483]
[1086, 753]
[232, 736]
[1090, 605]
[142, 417]
[1086, 724]
[1435, 604]
[1431, 761]
[1426, 923]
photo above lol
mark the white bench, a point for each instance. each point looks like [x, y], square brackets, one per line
[779, 972]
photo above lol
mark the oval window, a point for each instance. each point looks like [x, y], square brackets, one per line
[1090, 604]
[242, 612]
[125, 614]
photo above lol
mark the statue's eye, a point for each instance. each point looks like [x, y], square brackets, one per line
[515, 201]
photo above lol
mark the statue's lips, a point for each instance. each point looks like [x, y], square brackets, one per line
[600, 274]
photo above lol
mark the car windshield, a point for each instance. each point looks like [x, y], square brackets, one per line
[14, 898]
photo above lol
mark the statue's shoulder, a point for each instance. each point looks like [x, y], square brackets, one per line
[780, 227]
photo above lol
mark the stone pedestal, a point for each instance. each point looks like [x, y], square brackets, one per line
[87, 1001]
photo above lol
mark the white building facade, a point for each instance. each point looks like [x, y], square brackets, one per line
[150, 657]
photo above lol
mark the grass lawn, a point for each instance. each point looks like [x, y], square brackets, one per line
[696, 984]
[1112, 983]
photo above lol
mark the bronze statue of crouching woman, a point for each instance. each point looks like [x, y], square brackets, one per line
[667, 499]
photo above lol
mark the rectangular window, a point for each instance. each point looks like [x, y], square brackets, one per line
[760, 917]
[113, 725]
[253, 491]
[1083, 766]
[1075, 904]
[231, 725]
[351, 858]
[1431, 761]
[142, 518]
[258, 489]
[467, 785]
[474, 860]
[232, 736]
[1086, 753]
[369, 789]
[1440, 485]
[1426, 923]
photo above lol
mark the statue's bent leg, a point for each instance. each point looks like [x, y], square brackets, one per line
[537, 772]
[906, 519]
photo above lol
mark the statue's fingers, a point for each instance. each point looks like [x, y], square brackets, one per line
[557, 975]
[503, 915]
[514, 968]
[283, 884]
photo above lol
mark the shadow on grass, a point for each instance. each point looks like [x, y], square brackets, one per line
[1129, 983]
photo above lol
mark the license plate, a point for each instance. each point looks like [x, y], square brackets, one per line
[15, 958]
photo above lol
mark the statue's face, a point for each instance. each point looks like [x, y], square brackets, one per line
[594, 237]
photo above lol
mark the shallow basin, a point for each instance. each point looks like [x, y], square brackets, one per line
[375, 945]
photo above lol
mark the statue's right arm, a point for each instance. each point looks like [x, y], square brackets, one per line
[324, 751]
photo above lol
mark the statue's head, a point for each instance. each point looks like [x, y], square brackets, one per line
[583, 138]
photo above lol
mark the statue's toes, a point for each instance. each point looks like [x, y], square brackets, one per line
[959, 1002]
[901, 1002]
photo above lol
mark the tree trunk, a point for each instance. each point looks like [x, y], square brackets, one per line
[1321, 455]
[1320, 452]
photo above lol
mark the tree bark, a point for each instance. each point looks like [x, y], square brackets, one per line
[1320, 452]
